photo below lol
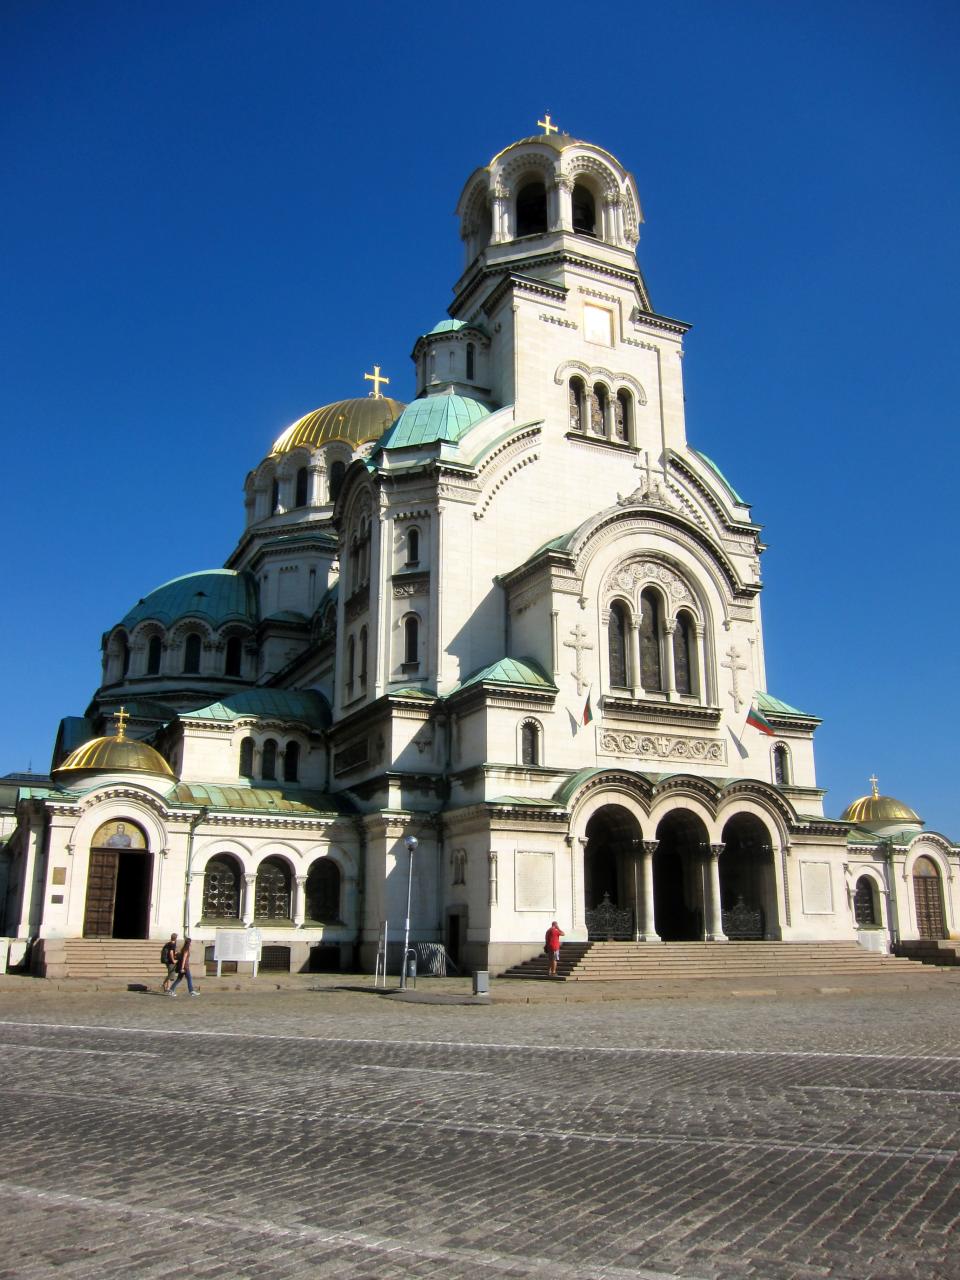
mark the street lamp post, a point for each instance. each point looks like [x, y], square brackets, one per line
[411, 842]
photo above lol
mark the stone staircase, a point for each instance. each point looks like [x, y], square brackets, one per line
[927, 951]
[696, 961]
[135, 959]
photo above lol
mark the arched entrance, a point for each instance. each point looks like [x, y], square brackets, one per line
[678, 874]
[928, 899]
[609, 872]
[118, 883]
[747, 885]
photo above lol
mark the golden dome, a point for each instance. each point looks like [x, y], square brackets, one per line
[354, 421]
[115, 755]
[876, 808]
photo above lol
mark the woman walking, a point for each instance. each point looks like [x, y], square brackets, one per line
[183, 970]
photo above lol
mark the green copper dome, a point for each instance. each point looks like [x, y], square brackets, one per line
[435, 418]
[215, 595]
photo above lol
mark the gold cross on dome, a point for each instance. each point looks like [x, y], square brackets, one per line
[376, 378]
[547, 125]
[875, 784]
[122, 719]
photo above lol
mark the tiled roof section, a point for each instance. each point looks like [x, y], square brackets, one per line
[435, 418]
[254, 799]
[766, 702]
[511, 671]
[303, 705]
[215, 595]
[719, 474]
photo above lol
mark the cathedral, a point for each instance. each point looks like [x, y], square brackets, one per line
[496, 653]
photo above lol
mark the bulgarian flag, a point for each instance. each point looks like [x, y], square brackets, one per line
[587, 711]
[759, 722]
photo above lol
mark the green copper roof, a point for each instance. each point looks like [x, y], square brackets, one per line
[512, 671]
[447, 326]
[716, 470]
[767, 702]
[253, 799]
[216, 595]
[434, 418]
[304, 705]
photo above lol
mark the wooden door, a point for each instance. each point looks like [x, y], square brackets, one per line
[926, 890]
[101, 893]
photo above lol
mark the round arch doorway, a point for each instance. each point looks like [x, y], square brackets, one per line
[678, 877]
[119, 872]
[610, 872]
[748, 893]
[928, 899]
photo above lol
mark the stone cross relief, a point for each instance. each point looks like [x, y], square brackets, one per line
[579, 643]
[735, 666]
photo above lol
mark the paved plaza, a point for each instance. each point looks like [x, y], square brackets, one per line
[306, 1133]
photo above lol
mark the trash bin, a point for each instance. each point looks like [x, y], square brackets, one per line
[481, 982]
[412, 964]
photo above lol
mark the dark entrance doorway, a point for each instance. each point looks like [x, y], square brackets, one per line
[454, 924]
[118, 883]
[609, 881]
[928, 898]
[747, 888]
[678, 877]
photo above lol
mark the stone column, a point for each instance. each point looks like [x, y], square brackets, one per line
[633, 637]
[299, 901]
[564, 203]
[670, 675]
[713, 931]
[648, 929]
[316, 476]
[699, 659]
[249, 897]
[191, 913]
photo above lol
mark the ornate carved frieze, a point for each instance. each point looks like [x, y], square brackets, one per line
[633, 576]
[407, 587]
[661, 746]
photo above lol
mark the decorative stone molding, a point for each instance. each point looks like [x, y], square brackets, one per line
[593, 372]
[637, 574]
[523, 462]
[597, 293]
[657, 746]
[560, 320]
[407, 588]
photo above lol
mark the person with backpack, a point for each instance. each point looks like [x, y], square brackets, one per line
[168, 958]
[183, 971]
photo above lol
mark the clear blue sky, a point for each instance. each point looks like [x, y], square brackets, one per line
[217, 216]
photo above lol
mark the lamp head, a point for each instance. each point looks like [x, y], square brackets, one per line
[411, 842]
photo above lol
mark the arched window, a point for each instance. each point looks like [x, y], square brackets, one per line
[781, 765]
[584, 211]
[684, 672]
[323, 892]
[154, 650]
[411, 641]
[363, 657]
[531, 209]
[191, 654]
[578, 405]
[124, 657]
[301, 498]
[623, 416]
[268, 762]
[234, 655]
[246, 758]
[221, 888]
[274, 496]
[351, 661]
[337, 472]
[651, 668]
[617, 644]
[291, 762]
[272, 897]
[413, 546]
[529, 743]
[865, 905]
[471, 361]
[598, 410]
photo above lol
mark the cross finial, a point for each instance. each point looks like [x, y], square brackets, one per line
[376, 378]
[875, 784]
[122, 719]
[547, 125]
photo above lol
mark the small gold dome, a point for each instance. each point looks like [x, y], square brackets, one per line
[354, 421]
[875, 809]
[115, 755]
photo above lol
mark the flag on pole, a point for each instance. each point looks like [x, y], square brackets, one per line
[587, 711]
[759, 722]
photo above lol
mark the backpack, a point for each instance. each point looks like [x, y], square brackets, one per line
[164, 954]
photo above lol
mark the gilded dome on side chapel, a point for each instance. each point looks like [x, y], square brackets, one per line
[876, 809]
[356, 422]
[114, 754]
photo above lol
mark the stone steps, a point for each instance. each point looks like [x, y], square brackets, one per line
[99, 958]
[930, 951]
[625, 961]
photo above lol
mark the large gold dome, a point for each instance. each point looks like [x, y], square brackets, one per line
[876, 808]
[115, 755]
[355, 421]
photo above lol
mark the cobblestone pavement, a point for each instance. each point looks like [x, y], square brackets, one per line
[335, 1133]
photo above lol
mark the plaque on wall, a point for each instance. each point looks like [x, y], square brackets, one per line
[533, 874]
[816, 886]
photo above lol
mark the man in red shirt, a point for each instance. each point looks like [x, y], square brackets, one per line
[552, 946]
